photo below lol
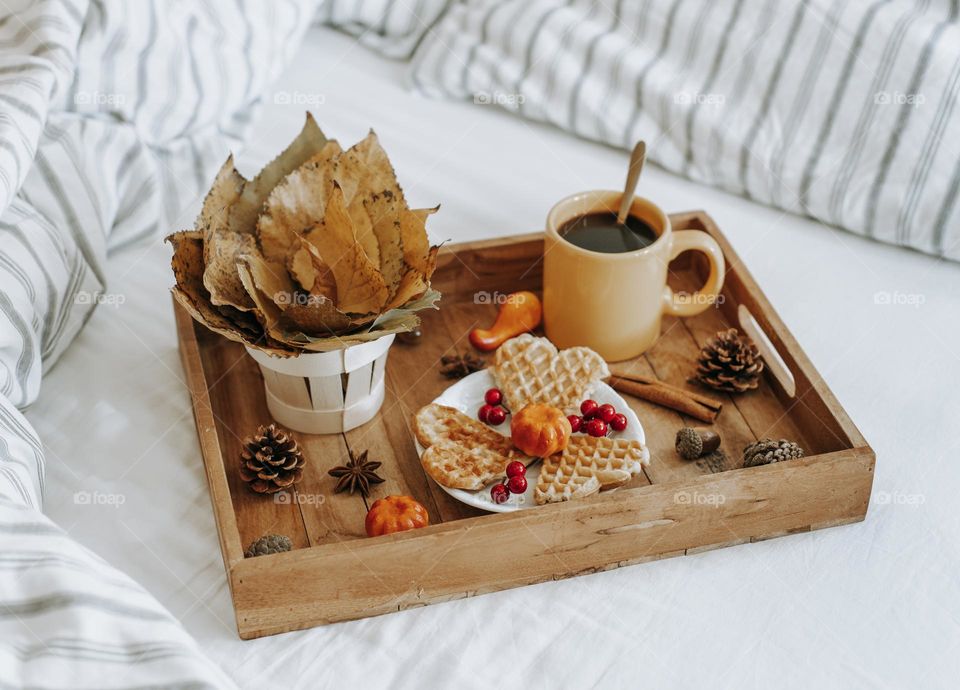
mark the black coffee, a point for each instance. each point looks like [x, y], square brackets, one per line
[600, 232]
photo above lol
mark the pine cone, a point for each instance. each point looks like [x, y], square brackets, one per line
[267, 544]
[766, 451]
[729, 362]
[271, 460]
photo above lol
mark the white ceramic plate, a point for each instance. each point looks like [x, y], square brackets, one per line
[467, 396]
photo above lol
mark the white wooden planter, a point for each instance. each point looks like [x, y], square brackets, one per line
[325, 392]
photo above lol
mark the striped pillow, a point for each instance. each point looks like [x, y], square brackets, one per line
[838, 111]
[392, 27]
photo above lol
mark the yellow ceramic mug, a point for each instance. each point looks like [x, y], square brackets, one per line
[613, 303]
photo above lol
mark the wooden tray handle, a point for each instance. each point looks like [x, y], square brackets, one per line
[781, 372]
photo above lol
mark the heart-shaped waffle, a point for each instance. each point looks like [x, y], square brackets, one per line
[532, 370]
[588, 465]
[460, 452]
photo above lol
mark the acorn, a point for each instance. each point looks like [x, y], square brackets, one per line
[695, 442]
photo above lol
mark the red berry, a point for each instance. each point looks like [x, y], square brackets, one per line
[493, 396]
[619, 422]
[496, 416]
[516, 469]
[597, 427]
[606, 412]
[500, 493]
[517, 485]
[588, 408]
[576, 421]
[484, 412]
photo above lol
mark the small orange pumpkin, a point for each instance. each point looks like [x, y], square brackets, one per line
[395, 514]
[540, 430]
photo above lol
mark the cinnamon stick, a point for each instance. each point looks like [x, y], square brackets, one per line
[690, 403]
[640, 378]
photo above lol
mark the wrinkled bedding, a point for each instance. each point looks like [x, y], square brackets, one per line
[867, 605]
[112, 118]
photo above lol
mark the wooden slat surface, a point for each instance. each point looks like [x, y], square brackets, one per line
[413, 380]
[225, 516]
[506, 264]
[328, 517]
[238, 410]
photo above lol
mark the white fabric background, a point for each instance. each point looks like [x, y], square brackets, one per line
[876, 604]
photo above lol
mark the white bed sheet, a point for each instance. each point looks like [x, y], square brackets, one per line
[868, 605]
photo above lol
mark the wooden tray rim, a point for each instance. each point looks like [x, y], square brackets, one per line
[624, 495]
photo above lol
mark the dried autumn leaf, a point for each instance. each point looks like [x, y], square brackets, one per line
[187, 264]
[416, 245]
[310, 270]
[297, 311]
[224, 191]
[315, 315]
[296, 204]
[413, 283]
[384, 212]
[272, 278]
[363, 231]
[221, 246]
[268, 313]
[245, 211]
[360, 287]
[365, 169]
[221, 252]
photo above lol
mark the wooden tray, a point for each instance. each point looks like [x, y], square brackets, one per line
[676, 507]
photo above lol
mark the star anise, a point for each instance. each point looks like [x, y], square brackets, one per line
[457, 366]
[357, 475]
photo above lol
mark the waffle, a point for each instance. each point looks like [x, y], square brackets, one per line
[559, 482]
[531, 370]
[589, 465]
[461, 452]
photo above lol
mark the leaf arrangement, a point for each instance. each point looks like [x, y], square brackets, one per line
[318, 252]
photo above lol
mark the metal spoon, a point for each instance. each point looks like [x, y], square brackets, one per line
[633, 176]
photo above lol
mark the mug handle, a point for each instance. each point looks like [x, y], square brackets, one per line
[686, 240]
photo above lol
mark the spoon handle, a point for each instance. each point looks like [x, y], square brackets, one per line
[633, 176]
